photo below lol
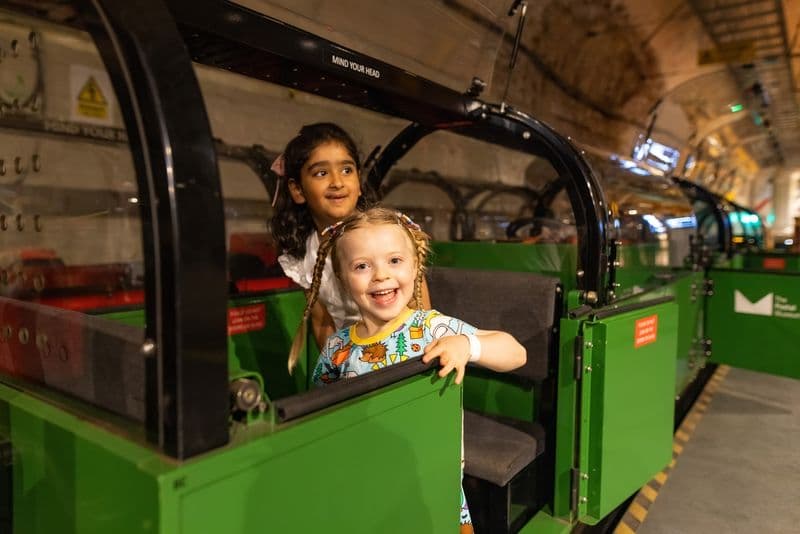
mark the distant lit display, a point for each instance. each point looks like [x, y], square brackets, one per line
[656, 226]
[658, 155]
[682, 222]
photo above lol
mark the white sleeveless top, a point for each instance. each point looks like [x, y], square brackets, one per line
[340, 305]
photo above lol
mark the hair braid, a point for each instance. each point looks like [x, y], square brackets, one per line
[311, 298]
[421, 244]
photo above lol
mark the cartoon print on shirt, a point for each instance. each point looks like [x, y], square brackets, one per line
[374, 354]
[400, 347]
[345, 357]
[332, 375]
[441, 325]
[415, 329]
[340, 355]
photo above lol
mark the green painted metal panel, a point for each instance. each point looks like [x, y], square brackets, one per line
[544, 523]
[385, 453]
[493, 395]
[690, 356]
[389, 464]
[265, 350]
[627, 405]
[753, 320]
[686, 287]
[566, 413]
[70, 476]
[779, 261]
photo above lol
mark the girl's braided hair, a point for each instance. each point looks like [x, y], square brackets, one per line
[330, 236]
[291, 223]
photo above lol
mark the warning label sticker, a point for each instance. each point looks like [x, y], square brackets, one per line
[91, 101]
[92, 97]
[645, 331]
[246, 319]
[778, 264]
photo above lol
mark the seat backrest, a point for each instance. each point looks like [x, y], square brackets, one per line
[522, 304]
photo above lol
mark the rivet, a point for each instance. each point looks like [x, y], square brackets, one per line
[588, 368]
[23, 336]
[588, 345]
[584, 500]
[526, 134]
[148, 347]
[18, 167]
[42, 345]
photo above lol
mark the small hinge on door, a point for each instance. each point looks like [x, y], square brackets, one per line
[578, 357]
[575, 474]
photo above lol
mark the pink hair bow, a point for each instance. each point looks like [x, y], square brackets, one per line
[279, 168]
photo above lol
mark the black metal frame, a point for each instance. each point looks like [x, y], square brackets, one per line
[183, 226]
[697, 192]
[513, 129]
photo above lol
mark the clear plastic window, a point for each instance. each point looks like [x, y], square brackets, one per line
[70, 221]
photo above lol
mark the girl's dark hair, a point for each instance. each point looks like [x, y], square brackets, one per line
[292, 223]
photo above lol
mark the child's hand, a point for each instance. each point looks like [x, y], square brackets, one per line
[453, 353]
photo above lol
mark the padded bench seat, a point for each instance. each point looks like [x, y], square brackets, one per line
[496, 449]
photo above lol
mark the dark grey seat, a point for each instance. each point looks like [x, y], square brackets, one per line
[498, 450]
[522, 304]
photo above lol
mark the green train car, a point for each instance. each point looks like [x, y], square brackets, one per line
[144, 325]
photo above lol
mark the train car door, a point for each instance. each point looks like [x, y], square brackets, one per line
[753, 320]
[625, 367]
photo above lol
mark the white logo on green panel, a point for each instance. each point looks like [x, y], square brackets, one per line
[768, 305]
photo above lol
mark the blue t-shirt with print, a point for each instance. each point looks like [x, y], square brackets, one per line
[347, 355]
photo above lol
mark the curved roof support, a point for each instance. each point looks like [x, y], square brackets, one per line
[183, 226]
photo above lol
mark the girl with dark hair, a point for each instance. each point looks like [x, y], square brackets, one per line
[319, 184]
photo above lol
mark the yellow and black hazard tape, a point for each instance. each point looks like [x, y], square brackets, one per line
[637, 511]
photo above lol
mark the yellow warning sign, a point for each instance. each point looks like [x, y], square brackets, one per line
[91, 102]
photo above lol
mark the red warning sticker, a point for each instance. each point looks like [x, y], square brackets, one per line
[246, 319]
[645, 331]
[777, 264]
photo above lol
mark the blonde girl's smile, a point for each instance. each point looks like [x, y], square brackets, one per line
[378, 266]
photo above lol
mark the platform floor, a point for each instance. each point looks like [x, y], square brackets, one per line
[739, 470]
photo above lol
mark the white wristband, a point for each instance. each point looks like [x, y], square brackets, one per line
[474, 347]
